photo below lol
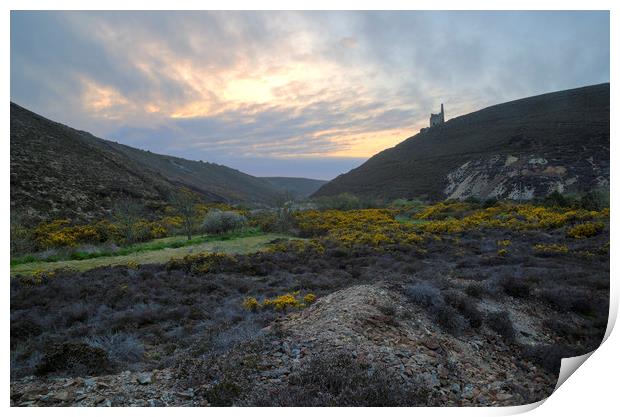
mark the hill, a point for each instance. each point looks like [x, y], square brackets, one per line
[296, 187]
[520, 149]
[57, 171]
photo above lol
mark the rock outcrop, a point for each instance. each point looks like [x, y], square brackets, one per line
[520, 149]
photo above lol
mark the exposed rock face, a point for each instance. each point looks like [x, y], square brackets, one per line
[520, 149]
[523, 177]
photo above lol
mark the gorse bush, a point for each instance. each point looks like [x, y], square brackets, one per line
[585, 230]
[218, 222]
[62, 233]
[374, 227]
[457, 217]
[550, 248]
[281, 302]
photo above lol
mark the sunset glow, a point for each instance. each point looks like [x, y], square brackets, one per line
[255, 89]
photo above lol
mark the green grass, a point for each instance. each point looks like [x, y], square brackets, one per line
[156, 244]
[157, 251]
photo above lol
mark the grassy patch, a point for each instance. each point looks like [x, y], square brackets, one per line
[156, 252]
[153, 245]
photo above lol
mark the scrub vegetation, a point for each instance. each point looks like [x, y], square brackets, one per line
[493, 270]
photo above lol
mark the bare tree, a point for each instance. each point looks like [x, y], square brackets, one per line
[126, 213]
[184, 202]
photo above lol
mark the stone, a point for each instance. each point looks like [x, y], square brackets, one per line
[503, 397]
[482, 400]
[468, 392]
[455, 388]
[89, 382]
[62, 396]
[431, 344]
[186, 394]
[144, 378]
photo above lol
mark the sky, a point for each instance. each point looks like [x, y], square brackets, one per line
[302, 94]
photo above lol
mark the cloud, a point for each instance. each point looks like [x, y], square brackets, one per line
[348, 42]
[277, 85]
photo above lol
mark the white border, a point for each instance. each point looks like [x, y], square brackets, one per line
[590, 391]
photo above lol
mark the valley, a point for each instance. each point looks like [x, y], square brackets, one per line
[140, 279]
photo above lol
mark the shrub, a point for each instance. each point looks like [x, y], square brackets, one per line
[282, 302]
[550, 249]
[474, 290]
[515, 287]
[345, 201]
[23, 329]
[222, 375]
[500, 322]
[549, 357]
[22, 240]
[204, 263]
[564, 299]
[126, 213]
[444, 314]
[280, 220]
[251, 303]
[239, 333]
[449, 319]
[218, 222]
[309, 298]
[120, 347]
[556, 199]
[585, 230]
[74, 359]
[279, 303]
[338, 379]
[594, 200]
[466, 306]
[424, 294]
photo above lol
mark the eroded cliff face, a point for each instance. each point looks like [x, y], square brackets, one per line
[523, 177]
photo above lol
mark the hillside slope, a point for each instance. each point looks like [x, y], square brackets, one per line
[60, 172]
[520, 149]
[296, 187]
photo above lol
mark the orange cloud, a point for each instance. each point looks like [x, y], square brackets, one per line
[289, 81]
[105, 101]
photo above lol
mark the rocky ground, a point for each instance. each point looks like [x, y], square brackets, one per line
[371, 322]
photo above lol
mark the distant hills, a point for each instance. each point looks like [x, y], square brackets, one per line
[295, 187]
[520, 149]
[60, 172]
